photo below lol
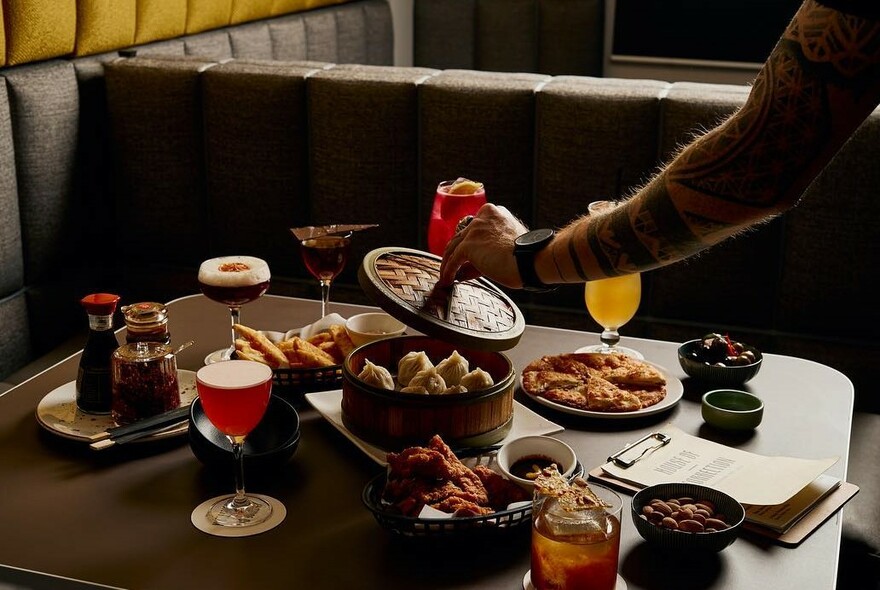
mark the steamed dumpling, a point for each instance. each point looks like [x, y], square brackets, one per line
[455, 389]
[453, 368]
[414, 389]
[430, 379]
[410, 364]
[476, 380]
[376, 376]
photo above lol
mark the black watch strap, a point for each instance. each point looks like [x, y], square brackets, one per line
[526, 247]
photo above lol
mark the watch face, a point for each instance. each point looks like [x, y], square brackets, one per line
[536, 236]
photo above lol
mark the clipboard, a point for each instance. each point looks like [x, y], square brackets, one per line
[821, 511]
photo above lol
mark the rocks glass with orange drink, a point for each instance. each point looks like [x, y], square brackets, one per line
[575, 546]
[453, 200]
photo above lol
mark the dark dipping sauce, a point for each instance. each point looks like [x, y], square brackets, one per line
[524, 468]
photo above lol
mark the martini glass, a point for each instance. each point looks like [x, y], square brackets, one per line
[325, 257]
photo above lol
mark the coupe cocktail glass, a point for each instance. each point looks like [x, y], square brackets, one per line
[234, 395]
[233, 281]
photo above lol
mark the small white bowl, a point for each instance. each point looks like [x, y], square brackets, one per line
[535, 447]
[369, 327]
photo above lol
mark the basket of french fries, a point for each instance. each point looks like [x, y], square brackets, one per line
[300, 365]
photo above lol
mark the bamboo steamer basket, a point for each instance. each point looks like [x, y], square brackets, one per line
[473, 317]
[394, 420]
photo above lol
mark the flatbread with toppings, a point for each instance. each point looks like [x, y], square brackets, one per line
[595, 382]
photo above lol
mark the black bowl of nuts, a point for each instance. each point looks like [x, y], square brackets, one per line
[717, 359]
[686, 516]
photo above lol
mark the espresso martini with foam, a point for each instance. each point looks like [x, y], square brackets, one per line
[234, 280]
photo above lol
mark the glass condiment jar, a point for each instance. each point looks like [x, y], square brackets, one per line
[146, 322]
[144, 376]
[93, 379]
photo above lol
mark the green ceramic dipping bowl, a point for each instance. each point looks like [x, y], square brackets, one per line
[732, 409]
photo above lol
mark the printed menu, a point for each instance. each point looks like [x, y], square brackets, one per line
[748, 477]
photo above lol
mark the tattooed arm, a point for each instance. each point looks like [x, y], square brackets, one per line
[818, 85]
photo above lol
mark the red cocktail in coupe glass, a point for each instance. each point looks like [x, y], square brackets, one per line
[234, 395]
[453, 200]
[233, 281]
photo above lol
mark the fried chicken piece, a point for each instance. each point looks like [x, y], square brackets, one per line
[461, 507]
[434, 476]
[502, 492]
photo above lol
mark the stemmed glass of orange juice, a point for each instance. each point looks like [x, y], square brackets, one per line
[612, 302]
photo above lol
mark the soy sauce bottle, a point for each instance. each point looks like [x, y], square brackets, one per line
[94, 389]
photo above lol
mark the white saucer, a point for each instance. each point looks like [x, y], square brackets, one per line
[279, 512]
[57, 412]
[527, 582]
[631, 352]
[215, 357]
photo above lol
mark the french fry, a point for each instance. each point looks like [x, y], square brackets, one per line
[307, 353]
[342, 339]
[271, 354]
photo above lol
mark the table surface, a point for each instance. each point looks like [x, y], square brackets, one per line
[121, 517]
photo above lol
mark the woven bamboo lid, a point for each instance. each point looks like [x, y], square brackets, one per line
[474, 313]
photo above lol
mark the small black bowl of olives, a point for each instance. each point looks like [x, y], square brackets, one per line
[717, 359]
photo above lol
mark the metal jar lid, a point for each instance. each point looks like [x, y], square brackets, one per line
[473, 313]
[146, 313]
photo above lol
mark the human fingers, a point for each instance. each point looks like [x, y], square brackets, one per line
[452, 260]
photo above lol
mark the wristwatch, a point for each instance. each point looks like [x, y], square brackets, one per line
[525, 248]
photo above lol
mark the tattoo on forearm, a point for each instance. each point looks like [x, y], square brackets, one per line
[757, 157]
[576, 262]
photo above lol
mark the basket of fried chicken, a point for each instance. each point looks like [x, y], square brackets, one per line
[431, 491]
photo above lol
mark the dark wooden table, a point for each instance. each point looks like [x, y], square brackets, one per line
[122, 517]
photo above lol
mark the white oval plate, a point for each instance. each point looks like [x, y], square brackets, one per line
[674, 392]
[57, 412]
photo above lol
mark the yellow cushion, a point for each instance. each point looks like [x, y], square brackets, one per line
[2, 39]
[160, 19]
[39, 29]
[204, 15]
[287, 6]
[104, 25]
[248, 10]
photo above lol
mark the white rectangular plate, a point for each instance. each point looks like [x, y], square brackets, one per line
[329, 405]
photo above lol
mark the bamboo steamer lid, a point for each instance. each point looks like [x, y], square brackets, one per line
[474, 314]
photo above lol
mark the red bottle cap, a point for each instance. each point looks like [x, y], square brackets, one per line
[100, 303]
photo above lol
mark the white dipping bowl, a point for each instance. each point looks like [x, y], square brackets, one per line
[545, 447]
[369, 327]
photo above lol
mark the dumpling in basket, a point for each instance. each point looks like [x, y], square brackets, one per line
[376, 375]
[430, 379]
[476, 380]
[453, 368]
[411, 363]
